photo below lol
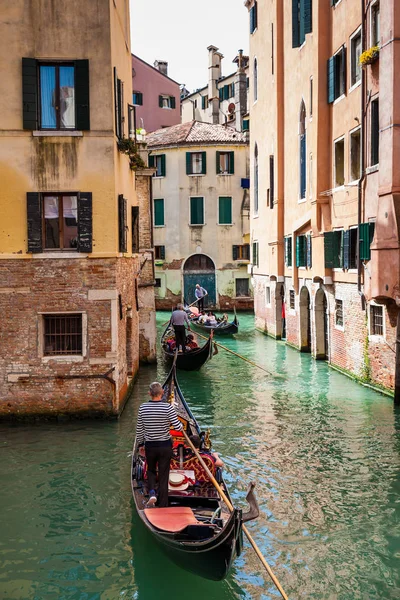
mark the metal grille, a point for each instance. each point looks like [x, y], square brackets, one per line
[376, 314]
[292, 298]
[339, 312]
[62, 334]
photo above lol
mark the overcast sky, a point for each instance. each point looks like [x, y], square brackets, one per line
[179, 32]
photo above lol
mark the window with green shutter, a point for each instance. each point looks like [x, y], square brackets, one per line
[159, 162]
[336, 75]
[137, 98]
[225, 210]
[197, 210]
[309, 252]
[196, 163]
[301, 21]
[366, 235]
[301, 251]
[288, 251]
[225, 163]
[246, 125]
[334, 249]
[255, 254]
[159, 212]
[253, 18]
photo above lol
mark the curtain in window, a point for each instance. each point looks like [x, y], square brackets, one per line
[48, 97]
[196, 163]
[70, 225]
[67, 98]
[51, 217]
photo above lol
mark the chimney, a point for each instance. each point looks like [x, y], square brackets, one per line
[214, 74]
[240, 90]
[162, 66]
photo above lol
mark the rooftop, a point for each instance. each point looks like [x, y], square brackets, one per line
[195, 133]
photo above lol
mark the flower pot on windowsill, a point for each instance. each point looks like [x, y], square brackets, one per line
[369, 56]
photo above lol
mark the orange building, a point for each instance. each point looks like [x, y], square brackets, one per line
[324, 231]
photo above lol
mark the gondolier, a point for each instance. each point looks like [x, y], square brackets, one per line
[178, 320]
[153, 430]
[200, 293]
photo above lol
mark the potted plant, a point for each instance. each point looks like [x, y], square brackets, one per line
[128, 147]
[369, 56]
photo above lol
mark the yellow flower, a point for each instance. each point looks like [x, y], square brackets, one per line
[369, 56]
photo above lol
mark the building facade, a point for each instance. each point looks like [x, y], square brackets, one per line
[155, 96]
[201, 214]
[324, 232]
[69, 272]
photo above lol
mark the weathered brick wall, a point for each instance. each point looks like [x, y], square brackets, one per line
[382, 351]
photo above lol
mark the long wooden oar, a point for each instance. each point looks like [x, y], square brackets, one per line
[189, 305]
[231, 508]
[243, 358]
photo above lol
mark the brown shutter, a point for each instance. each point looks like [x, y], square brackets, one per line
[34, 214]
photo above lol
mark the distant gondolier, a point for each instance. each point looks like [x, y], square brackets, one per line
[178, 320]
[200, 292]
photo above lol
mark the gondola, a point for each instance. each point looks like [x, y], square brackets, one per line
[220, 329]
[196, 531]
[188, 361]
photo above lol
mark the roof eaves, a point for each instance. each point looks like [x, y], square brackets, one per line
[154, 69]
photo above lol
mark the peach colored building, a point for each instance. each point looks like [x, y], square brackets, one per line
[155, 96]
[324, 234]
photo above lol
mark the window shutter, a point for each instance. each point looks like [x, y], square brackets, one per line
[331, 79]
[307, 16]
[34, 214]
[246, 125]
[117, 130]
[221, 94]
[328, 247]
[302, 22]
[346, 249]
[203, 102]
[295, 24]
[226, 92]
[231, 163]
[286, 250]
[162, 252]
[85, 222]
[338, 249]
[344, 71]
[299, 251]
[255, 18]
[235, 252]
[122, 223]
[160, 101]
[29, 93]
[271, 181]
[366, 235]
[309, 251]
[252, 19]
[172, 101]
[197, 211]
[163, 166]
[140, 98]
[217, 162]
[151, 161]
[203, 163]
[159, 212]
[303, 170]
[188, 163]
[82, 94]
[135, 230]
[225, 210]
[246, 251]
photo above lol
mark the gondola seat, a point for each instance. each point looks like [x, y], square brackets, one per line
[172, 519]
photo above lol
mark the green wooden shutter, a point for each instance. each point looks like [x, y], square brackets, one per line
[309, 251]
[151, 161]
[203, 102]
[252, 27]
[344, 70]
[221, 94]
[302, 35]
[331, 79]
[82, 94]
[290, 247]
[300, 251]
[295, 24]
[163, 165]
[217, 162]
[122, 223]
[271, 181]
[159, 212]
[366, 235]
[203, 163]
[160, 101]
[29, 94]
[307, 4]
[135, 230]
[197, 211]
[328, 247]
[188, 163]
[346, 249]
[225, 210]
[226, 92]
[231, 163]
[255, 19]
[246, 124]
[85, 222]
[34, 217]
[172, 101]
[286, 250]
[162, 252]
[338, 249]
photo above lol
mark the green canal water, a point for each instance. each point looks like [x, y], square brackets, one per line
[323, 450]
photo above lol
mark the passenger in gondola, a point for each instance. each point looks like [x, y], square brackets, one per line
[211, 320]
[195, 439]
[191, 343]
[153, 430]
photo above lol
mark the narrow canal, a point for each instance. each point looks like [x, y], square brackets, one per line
[324, 451]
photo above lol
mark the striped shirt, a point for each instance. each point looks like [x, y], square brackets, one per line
[154, 420]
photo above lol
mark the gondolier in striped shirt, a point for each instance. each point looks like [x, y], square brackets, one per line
[153, 430]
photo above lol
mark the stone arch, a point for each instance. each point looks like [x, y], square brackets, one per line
[321, 319]
[305, 319]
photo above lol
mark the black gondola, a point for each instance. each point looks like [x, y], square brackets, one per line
[228, 328]
[188, 361]
[196, 530]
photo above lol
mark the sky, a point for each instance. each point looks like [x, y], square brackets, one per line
[179, 32]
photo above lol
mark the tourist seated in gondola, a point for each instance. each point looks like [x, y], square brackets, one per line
[211, 320]
[195, 439]
[171, 344]
[191, 343]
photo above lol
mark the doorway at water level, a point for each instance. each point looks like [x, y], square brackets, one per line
[200, 269]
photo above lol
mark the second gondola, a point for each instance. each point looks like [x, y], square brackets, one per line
[192, 360]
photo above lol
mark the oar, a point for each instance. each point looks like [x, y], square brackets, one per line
[231, 508]
[244, 358]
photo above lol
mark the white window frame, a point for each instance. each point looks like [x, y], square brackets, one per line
[355, 85]
[168, 99]
[201, 166]
[374, 336]
[157, 159]
[371, 8]
[337, 140]
[268, 293]
[338, 327]
[62, 357]
[351, 133]
[228, 155]
[204, 212]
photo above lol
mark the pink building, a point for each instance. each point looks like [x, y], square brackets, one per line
[156, 96]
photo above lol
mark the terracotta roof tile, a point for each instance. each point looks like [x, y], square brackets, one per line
[195, 133]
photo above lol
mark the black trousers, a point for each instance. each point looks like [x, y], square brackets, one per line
[159, 454]
[180, 336]
[200, 304]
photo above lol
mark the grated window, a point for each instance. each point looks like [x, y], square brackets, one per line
[62, 334]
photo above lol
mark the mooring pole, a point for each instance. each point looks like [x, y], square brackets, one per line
[397, 365]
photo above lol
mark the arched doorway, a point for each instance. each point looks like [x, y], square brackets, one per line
[199, 268]
[305, 320]
[321, 326]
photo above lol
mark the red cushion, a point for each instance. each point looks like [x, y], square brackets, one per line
[172, 519]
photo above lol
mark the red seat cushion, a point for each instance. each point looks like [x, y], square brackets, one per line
[172, 519]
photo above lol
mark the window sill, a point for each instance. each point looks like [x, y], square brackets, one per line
[159, 261]
[72, 133]
[339, 188]
[196, 224]
[301, 200]
[373, 337]
[355, 86]
[225, 174]
[166, 107]
[61, 254]
[255, 216]
[339, 327]
[372, 169]
[158, 176]
[225, 224]
[196, 174]
[158, 226]
[339, 99]
[353, 183]
[63, 359]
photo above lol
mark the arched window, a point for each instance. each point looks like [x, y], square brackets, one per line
[255, 79]
[255, 179]
[302, 151]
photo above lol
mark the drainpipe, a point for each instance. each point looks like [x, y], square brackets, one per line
[363, 145]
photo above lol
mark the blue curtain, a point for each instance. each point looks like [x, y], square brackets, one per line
[48, 97]
[67, 98]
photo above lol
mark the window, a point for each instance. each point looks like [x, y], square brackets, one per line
[256, 180]
[225, 163]
[339, 163]
[241, 252]
[157, 282]
[123, 223]
[135, 229]
[352, 264]
[57, 96]
[376, 319]
[366, 235]
[292, 300]
[253, 18]
[338, 313]
[137, 98]
[288, 251]
[375, 132]
[355, 155]
[309, 251]
[196, 163]
[62, 335]
[268, 295]
[118, 105]
[60, 221]
[337, 75]
[227, 91]
[255, 80]
[355, 58]
[375, 24]
[301, 251]
[204, 102]
[302, 152]
[255, 254]
[166, 101]
[333, 247]
[131, 122]
[159, 252]
[159, 212]
[311, 96]
[246, 125]
[197, 210]
[301, 21]
[271, 181]
[225, 210]
[158, 161]
[272, 49]
[242, 287]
